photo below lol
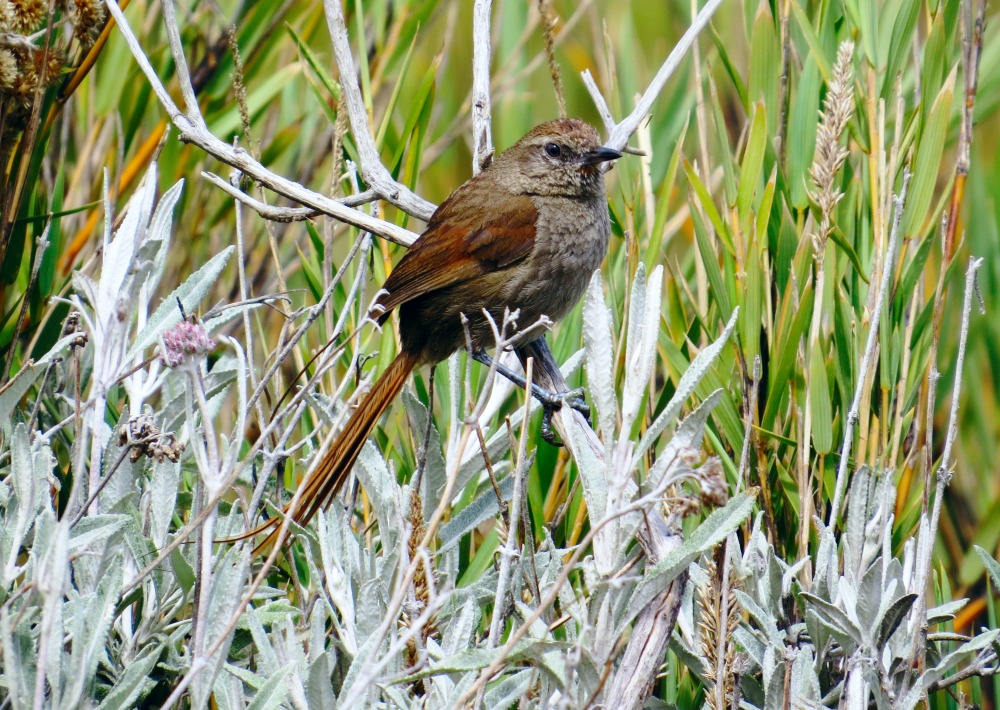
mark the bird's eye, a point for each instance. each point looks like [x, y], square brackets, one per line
[552, 150]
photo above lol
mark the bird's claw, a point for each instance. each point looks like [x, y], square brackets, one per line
[548, 433]
[574, 400]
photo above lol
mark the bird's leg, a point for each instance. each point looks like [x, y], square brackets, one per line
[547, 372]
[551, 401]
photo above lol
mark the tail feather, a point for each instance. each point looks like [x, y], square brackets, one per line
[327, 477]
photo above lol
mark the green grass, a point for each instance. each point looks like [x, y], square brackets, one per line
[723, 199]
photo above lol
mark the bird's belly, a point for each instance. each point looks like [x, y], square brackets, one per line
[556, 275]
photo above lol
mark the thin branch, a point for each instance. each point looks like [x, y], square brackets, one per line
[929, 534]
[511, 548]
[282, 214]
[980, 669]
[624, 130]
[751, 413]
[599, 102]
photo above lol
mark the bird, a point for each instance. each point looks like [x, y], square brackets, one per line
[526, 233]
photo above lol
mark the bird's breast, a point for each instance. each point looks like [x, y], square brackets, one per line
[571, 239]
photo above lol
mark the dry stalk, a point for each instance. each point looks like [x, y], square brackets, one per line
[549, 22]
[482, 137]
[899, 203]
[420, 577]
[944, 473]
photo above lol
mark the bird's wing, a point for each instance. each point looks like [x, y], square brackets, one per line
[461, 244]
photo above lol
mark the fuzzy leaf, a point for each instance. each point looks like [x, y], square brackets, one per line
[483, 507]
[600, 365]
[643, 331]
[894, 615]
[713, 530]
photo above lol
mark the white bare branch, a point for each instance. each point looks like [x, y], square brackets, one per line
[482, 137]
[899, 202]
[192, 129]
[372, 169]
[621, 132]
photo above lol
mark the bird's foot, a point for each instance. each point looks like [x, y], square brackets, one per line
[548, 433]
[572, 399]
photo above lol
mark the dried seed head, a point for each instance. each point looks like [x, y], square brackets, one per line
[25, 78]
[417, 529]
[88, 19]
[27, 16]
[55, 60]
[8, 69]
[712, 480]
[6, 16]
[146, 439]
[838, 106]
[712, 629]
[22, 71]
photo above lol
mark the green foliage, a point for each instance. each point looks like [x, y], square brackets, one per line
[726, 199]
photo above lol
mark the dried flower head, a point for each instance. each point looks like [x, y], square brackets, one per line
[6, 16]
[8, 69]
[28, 16]
[838, 106]
[421, 589]
[88, 20]
[25, 78]
[72, 326]
[24, 68]
[146, 439]
[717, 622]
[712, 481]
[55, 60]
[185, 340]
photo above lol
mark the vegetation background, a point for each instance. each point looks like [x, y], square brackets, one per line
[740, 196]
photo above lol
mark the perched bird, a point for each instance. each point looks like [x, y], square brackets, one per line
[526, 233]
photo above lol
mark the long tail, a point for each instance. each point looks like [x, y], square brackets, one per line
[326, 478]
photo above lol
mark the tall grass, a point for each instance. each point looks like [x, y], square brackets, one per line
[790, 372]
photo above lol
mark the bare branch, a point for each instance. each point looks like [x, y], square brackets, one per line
[599, 102]
[282, 214]
[193, 130]
[372, 169]
[928, 533]
[624, 130]
[482, 136]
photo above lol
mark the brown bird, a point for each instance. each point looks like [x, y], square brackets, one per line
[526, 233]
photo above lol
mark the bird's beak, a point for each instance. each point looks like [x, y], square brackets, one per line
[599, 155]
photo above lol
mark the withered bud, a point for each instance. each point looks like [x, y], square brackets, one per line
[146, 439]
